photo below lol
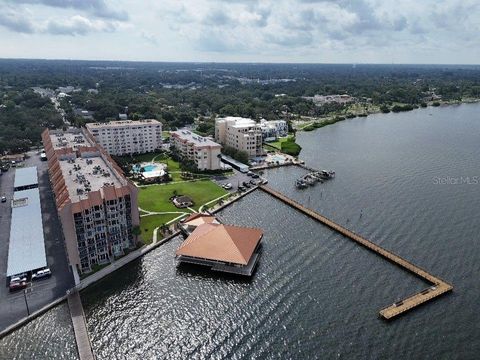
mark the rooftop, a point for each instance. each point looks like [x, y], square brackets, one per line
[85, 170]
[26, 250]
[188, 136]
[25, 177]
[224, 243]
[69, 140]
[122, 123]
[83, 175]
[239, 121]
[198, 219]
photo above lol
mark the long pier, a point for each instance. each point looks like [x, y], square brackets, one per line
[437, 288]
[82, 339]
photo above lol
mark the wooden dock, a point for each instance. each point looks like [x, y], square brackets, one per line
[437, 288]
[82, 339]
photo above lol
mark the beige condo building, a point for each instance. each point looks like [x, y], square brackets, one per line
[127, 137]
[241, 134]
[204, 152]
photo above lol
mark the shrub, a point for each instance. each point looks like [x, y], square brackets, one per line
[290, 147]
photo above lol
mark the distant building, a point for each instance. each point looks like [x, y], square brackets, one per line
[84, 114]
[241, 134]
[272, 130]
[325, 99]
[97, 205]
[13, 157]
[122, 116]
[126, 137]
[204, 152]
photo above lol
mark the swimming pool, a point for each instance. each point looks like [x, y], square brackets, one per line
[278, 158]
[150, 169]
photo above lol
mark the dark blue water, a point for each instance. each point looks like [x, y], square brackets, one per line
[406, 181]
[49, 336]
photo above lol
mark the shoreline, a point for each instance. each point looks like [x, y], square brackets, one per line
[317, 123]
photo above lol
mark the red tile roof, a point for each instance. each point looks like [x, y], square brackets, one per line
[226, 243]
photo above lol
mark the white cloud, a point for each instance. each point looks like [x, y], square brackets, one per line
[252, 30]
[78, 25]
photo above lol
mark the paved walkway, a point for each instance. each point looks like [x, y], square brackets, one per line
[212, 201]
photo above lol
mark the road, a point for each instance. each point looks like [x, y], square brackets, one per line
[41, 292]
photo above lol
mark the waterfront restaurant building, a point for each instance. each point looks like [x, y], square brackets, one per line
[225, 248]
[96, 204]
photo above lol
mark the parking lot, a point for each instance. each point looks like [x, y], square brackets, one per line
[236, 179]
[41, 292]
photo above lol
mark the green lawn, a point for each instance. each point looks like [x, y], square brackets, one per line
[141, 158]
[149, 223]
[157, 197]
[278, 144]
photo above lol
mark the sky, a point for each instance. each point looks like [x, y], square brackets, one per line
[313, 31]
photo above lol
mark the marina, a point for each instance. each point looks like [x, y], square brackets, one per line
[313, 177]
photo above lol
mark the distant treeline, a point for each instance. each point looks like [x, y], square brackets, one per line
[180, 93]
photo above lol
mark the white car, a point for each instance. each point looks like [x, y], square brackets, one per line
[4, 199]
[18, 278]
[41, 274]
[227, 186]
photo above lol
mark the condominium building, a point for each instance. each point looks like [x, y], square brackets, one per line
[97, 205]
[204, 152]
[272, 130]
[240, 133]
[127, 136]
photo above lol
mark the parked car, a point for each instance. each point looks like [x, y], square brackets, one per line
[18, 278]
[227, 186]
[255, 176]
[253, 182]
[249, 173]
[241, 188]
[246, 184]
[17, 285]
[40, 274]
[4, 199]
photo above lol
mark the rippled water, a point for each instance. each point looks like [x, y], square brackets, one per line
[49, 336]
[316, 294]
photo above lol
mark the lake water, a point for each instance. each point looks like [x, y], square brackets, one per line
[49, 336]
[409, 182]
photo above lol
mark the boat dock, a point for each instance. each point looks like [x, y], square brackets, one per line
[437, 288]
[82, 339]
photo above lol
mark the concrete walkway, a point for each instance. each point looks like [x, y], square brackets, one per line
[212, 201]
[82, 339]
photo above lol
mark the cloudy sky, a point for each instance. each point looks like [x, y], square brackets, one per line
[323, 31]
